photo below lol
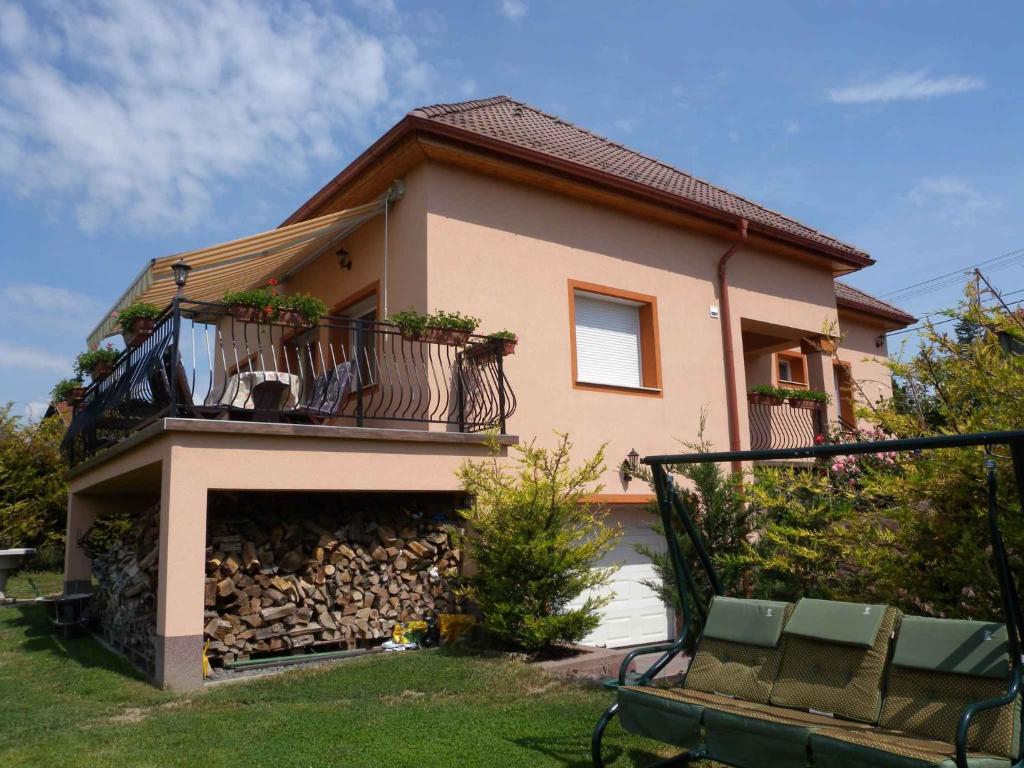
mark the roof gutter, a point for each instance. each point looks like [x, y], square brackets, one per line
[415, 124]
[725, 318]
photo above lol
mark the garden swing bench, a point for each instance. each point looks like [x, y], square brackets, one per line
[824, 683]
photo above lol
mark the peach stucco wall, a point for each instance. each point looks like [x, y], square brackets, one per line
[505, 252]
[860, 348]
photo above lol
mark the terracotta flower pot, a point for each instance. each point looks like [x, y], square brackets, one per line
[293, 318]
[75, 395]
[449, 336]
[140, 330]
[760, 398]
[806, 405]
[246, 314]
[508, 347]
[100, 371]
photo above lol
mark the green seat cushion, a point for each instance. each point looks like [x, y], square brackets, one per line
[670, 715]
[839, 678]
[878, 748]
[929, 705]
[765, 736]
[734, 668]
[751, 622]
[955, 646]
[829, 621]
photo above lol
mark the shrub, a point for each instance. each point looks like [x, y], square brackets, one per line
[137, 311]
[260, 298]
[310, 307]
[410, 322]
[535, 545]
[62, 389]
[503, 335]
[33, 494]
[455, 321]
[716, 504]
[87, 361]
[806, 394]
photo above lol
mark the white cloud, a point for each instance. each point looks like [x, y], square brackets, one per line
[48, 306]
[513, 9]
[952, 200]
[36, 409]
[904, 86]
[141, 111]
[17, 356]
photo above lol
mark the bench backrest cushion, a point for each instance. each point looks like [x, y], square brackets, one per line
[826, 665]
[941, 665]
[740, 649]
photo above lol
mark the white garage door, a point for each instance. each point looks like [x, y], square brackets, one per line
[635, 615]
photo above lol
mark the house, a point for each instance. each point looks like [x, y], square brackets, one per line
[641, 297]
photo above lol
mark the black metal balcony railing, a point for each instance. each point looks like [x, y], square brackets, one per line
[785, 426]
[203, 362]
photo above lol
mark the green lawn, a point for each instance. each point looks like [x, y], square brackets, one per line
[29, 584]
[73, 704]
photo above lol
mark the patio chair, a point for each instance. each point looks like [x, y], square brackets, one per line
[328, 394]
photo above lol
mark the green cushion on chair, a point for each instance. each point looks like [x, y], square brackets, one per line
[751, 622]
[669, 720]
[886, 749]
[830, 621]
[961, 647]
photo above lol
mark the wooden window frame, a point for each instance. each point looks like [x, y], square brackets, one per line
[650, 343]
[794, 359]
[373, 289]
[845, 406]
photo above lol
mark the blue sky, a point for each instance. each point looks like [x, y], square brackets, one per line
[130, 130]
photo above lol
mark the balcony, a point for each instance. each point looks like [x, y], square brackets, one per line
[780, 423]
[203, 361]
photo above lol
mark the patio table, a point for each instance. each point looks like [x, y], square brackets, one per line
[241, 389]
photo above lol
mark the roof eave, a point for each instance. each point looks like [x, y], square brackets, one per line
[415, 123]
[900, 319]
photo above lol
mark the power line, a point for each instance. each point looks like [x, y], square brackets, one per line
[921, 325]
[949, 278]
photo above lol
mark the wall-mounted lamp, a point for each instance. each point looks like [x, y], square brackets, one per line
[343, 259]
[180, 270]
[631, 465]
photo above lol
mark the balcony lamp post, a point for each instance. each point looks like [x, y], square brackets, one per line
[180, 270]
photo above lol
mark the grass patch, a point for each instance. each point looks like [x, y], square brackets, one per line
[73, 703]
[26, 585]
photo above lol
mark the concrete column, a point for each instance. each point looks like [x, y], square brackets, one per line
[821, 377]
[82, 512]
[179, 604]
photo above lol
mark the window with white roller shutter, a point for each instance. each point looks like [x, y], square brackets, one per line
[608, 349]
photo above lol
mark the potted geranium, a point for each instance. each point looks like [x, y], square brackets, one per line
[137, 322]
[411, 324]
[68, 391]
[253, 306]
[98, 363]
[807, 399]
[298, 309]
[763, 394]
[452, 328]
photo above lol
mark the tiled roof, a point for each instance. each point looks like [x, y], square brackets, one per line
[847, 295]
[513, 122]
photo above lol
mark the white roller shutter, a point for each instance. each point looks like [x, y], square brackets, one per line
[607, 341]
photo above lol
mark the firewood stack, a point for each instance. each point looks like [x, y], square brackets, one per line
[124, 599]
[276, 583]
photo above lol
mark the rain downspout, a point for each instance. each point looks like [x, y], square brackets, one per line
[731, 400]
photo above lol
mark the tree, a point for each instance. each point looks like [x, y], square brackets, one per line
[907, 529]
[715, 499]
[535, 545]
[33, 494]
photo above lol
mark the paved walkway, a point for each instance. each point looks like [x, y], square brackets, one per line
[595, 663]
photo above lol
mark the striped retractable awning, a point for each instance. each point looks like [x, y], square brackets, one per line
[240, 264]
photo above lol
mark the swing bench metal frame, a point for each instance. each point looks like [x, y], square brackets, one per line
[671, 502]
